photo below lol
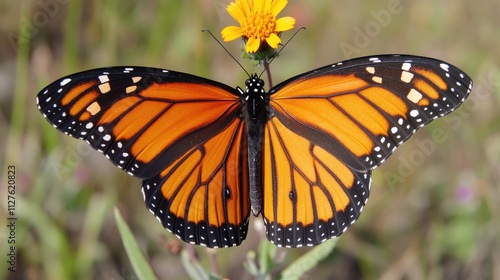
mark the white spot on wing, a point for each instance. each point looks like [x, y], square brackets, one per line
[94, 108]
[104, 78]
[65, 81]
[377, 79]
[104, 88]
[414, 96]
[406, 66]
[130, 89]
[406, 76]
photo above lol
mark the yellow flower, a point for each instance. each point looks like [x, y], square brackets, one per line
[258, 23]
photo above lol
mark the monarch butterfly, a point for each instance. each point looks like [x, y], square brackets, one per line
[300, 154]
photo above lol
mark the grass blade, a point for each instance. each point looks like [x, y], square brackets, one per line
[139, 263]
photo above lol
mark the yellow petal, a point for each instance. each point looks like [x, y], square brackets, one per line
[245, 6]
[258, 5]
[236, 12]
[278, 6]
[273, 40]
[253, 45]
[242, 5]
[230, 33]
[284, 24]
[266, 5]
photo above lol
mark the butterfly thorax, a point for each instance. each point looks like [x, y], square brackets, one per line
[254, 97]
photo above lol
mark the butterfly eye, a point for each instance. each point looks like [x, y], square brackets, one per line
[259, 83]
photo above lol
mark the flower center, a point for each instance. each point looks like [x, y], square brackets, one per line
[259, 25]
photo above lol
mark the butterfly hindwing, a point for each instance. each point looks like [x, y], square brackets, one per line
[158, 124]
[203, 196]
[309, 195]
[140, 118]
[330, 127]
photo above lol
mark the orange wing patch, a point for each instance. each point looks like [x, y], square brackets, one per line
[117, 109]
[434, 79]
[320, 87]
[186, 92]
[75, 92]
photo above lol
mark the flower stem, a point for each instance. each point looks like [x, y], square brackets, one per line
[267, 69]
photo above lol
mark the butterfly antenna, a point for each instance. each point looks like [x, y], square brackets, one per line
[282, 48]
[211, 34]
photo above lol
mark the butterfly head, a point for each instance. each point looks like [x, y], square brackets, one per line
[254, 86]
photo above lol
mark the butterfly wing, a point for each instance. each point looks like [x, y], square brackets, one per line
[309, 194]
[182, 134]
[330, 127]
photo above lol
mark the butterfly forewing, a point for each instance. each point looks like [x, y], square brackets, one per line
[329, 127]
[362, 109]
[140, 118]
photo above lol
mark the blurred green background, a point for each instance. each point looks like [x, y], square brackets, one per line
[434, 208]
